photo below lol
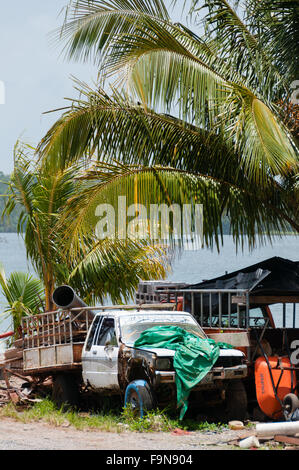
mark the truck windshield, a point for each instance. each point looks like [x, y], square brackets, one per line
[131, 326]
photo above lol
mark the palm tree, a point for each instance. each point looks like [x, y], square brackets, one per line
[94, 268]
[199, 112]
[24, 296]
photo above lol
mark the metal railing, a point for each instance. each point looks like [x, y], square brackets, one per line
[67, 326]
[229, 308]
[54, 328]
[214, 307]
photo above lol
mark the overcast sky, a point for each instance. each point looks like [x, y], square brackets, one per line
[35, 75]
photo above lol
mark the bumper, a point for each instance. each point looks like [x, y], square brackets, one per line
[217, 373]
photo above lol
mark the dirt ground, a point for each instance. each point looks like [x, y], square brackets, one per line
[39, 436]
[15, 435]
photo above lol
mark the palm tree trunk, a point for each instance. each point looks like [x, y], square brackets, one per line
[49, 289]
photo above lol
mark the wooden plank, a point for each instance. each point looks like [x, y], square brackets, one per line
[239, 300]
[6, 379]
[287, 440]
[51, 324]
[77, 351]
[12, 372]
[18, 343]
[13, 354]
[265, 300]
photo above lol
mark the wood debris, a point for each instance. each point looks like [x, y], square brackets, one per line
[294, 441]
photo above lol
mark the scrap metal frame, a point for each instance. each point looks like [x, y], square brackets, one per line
[239, 297]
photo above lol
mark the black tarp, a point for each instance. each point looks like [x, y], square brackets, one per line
[273, 277]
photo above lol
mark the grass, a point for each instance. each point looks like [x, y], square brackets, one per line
[155, 421]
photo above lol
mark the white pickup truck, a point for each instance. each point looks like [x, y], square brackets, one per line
[146, 377]
[101, 357]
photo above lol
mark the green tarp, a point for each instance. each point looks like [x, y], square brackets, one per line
[194, 357]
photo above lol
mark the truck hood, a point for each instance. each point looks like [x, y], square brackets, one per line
[170, 353]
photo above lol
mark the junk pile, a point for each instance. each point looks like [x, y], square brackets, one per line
[273, 371]
[275, 434]
[268, 435]
[15, 390]
[14, 387]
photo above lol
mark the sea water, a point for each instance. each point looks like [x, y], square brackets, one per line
[191, 266]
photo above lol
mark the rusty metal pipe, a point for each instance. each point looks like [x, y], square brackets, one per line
[66, 298]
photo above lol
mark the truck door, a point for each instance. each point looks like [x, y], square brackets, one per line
[100, 363]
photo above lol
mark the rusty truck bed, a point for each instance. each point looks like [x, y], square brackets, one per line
[60, 357]
[54, 341]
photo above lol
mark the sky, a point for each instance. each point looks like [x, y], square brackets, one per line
[34, 75]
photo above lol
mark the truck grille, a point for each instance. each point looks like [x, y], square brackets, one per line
[230, 361]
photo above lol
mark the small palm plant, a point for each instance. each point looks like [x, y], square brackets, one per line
[24, 296]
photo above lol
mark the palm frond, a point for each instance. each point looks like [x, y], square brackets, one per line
[255, 214]
[115, 268]
[90, 26]
[241, 43]
[227, 148]
[278, 27]
[116, 127]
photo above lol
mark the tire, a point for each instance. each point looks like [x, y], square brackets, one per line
[139, 397]
[290, 405]
[65, 392]
[236, 401]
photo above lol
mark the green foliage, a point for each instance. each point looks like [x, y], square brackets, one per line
[7, 224]
[24, 296]
[155, 421]
[95, 269]
[198, 112]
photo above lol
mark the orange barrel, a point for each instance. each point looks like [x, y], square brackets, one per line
[267, 400]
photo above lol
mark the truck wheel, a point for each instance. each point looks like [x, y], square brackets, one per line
[65, 392]
[236, 401]
[290, 405]
[139, 397]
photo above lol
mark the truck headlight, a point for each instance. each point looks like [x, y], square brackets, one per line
[163, 364]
